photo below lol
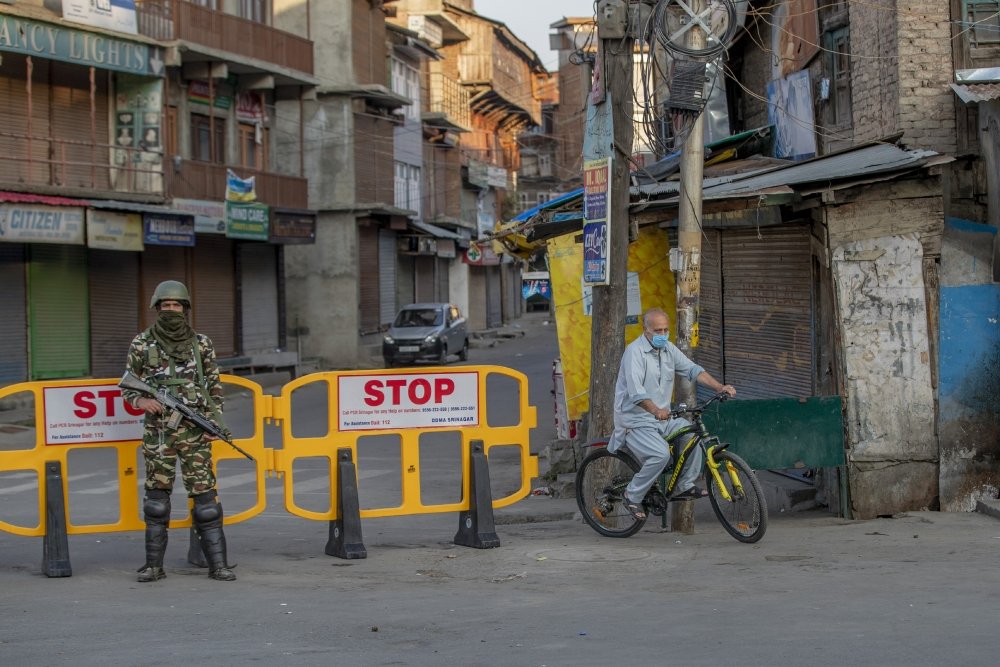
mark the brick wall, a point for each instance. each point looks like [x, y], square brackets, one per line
[908, 93]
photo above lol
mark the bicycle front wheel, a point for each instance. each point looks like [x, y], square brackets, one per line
[745, 515]
[600, 484]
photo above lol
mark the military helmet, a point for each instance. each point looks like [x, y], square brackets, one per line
[170, 290]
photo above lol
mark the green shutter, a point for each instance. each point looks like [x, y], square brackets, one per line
[58, 312]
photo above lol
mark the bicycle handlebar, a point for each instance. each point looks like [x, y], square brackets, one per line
[683, 409]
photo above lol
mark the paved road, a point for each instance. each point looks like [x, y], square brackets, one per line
[918, 589]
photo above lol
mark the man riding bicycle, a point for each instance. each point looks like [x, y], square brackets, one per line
[643, 393]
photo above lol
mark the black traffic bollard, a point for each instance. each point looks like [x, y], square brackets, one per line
[55, 544]
[345, 531]
[475, 525]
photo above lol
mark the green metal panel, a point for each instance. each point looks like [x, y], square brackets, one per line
[780, 433]
[58, 311]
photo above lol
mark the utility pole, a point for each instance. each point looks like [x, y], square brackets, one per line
[689, 230]
[609, 309]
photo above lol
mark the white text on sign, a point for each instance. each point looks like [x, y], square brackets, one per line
[424, 400]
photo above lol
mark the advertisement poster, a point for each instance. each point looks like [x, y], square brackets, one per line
[248, 221]
[596, 234]
[418, 400]
[650, 284]
[117, 15]
[89, 414]
[34, 223]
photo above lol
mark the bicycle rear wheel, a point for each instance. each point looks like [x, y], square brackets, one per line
[600, 483]
[745, 516]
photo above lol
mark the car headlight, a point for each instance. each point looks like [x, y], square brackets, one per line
[431, 339]
[389, 340]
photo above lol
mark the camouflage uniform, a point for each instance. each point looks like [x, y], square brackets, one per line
[161, 448]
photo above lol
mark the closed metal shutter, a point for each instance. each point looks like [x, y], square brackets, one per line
[477, 298]
[404, 280]
[76, 138]
[114, 309]
[767, 311]
[709, 352]
[258, 297]
[443, 284]
[494, 308]
[386, 275]
[58, 311]
[213, 290]
[425, 278]
[159, 263]
[368, 277]
[14, 323]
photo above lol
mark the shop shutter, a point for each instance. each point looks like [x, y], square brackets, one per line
[213, 290]
[114, 309]
[368, 277]
[159, 263]
[258, 297]
[425, 278]
[709, 352]
[13, 324]
[386, 275]
[404, 280]
[767, 311]
[58, 311]
[494, 308]
[477, 298]
[443, 284]
[14, 107]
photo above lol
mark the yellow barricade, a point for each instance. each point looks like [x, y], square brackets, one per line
[98, 417]
[405, 403]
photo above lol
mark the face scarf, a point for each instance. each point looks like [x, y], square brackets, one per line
[174, 334]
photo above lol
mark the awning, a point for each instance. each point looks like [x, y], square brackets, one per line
[435, 231]
[27, 198]
[973, 93]
[133, 207]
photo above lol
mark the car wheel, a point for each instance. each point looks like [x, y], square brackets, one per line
[464, 354]
[443, 357]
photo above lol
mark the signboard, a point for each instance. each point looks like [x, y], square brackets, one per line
[54, 42]
[117, 15]
[220, 94]
[209, 216]
[247, 221]
[34, 223]
[293, 227]
[417, 400]
[174, 230]
[478, 255]
[108, 230]
[98, 413]
[536, 287]
[596, 232]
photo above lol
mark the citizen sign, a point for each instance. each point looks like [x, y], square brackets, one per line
[419, 400]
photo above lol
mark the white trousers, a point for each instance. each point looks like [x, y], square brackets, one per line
[649, 445]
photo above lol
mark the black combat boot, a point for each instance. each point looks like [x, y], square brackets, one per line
[156, 509]
[207, 516]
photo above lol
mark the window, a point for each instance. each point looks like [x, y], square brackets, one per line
[838, 43]
[406, 187]
[406, 82]
[253, 146]
[982, 21]
[208, 139]
[544, 197]
[523, 199]
[254, 10]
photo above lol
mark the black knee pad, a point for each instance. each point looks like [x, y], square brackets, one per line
[156, 506]
[206, 509]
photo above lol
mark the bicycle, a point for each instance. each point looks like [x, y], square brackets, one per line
[733, 488]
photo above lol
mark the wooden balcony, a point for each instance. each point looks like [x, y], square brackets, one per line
[449, 97]
[78, 167]
[170, 20]
[205, 180]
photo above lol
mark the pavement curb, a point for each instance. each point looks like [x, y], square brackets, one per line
[989, 506]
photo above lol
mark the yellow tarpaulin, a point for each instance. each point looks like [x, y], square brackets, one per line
[650, 277]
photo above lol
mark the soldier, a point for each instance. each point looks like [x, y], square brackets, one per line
[170, 354]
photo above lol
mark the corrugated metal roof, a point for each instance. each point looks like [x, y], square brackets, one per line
[976, 92]
[866, 160]
[434, 230]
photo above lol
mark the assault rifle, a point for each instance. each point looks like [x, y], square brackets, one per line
[178, 410]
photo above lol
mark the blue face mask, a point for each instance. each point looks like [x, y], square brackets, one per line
[660, 341]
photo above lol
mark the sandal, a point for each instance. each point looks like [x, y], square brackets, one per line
[632, 508]
[690, 494]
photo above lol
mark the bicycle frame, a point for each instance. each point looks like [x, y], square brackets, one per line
[711, 465]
